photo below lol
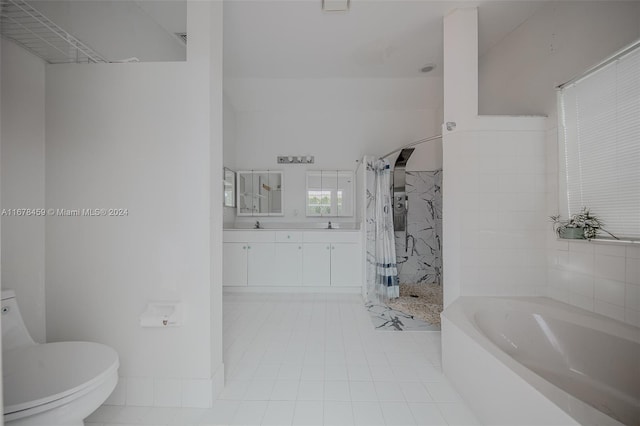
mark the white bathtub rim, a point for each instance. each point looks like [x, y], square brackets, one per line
[561, 311]
[492, 411]
[582, 412]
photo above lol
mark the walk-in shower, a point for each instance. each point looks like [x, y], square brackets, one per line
[415, 196]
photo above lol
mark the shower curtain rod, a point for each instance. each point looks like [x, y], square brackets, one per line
[409, 145]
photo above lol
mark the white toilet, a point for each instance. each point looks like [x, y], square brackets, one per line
[53, 384]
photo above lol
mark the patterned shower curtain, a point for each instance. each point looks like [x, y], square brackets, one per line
[387, 283]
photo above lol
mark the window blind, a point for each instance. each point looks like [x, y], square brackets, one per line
[600, 143]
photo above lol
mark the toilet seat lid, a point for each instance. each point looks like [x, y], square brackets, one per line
[38, 374]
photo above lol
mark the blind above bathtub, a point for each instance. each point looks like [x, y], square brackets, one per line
[599, 118]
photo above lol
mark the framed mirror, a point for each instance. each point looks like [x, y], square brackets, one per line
[330, 193]
[229, 189]
[260, 193]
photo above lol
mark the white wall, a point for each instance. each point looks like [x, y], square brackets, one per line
[210, 29]
[1, 267]
[336, 120]
[22, 169]
[519, 74]
[146, 137]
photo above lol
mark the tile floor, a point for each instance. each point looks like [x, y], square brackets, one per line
[309, 359]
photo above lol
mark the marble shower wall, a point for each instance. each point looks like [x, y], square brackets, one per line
[419, 248]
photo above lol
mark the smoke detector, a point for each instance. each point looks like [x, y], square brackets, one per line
[335, 5]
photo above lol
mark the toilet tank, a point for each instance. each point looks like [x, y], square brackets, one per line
[14, 332]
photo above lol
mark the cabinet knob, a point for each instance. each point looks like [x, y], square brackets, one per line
[328, 247]
[299, 247]
[249, 247]
[288, 236]
[244, 247]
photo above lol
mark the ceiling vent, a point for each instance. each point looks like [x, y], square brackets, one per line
[182, 37]
[335, 5]
[24, 25]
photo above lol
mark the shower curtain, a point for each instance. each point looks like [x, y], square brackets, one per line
[386, 275]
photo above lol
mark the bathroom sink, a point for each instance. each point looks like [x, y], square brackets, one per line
[345, 226]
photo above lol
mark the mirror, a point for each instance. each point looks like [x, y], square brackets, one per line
[229, 182]
[329, 193]
[260, 193]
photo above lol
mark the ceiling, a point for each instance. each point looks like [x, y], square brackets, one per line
[289, 39]
[123, 29]
[390, 39]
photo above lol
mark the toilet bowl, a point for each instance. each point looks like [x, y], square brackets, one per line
[53, 384]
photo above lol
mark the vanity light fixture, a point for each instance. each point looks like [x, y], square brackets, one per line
[296, 159]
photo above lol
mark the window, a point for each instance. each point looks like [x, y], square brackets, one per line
[600, 144]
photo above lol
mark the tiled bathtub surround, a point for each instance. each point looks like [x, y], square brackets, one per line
[597, 276]
[419, 248]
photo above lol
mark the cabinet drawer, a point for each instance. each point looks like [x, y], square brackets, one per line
[331, 236]
[288, 237]
[258, 236]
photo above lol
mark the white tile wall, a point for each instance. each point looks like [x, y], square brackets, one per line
[599, 277]
[496, 182]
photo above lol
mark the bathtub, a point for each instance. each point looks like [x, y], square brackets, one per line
[535, 361]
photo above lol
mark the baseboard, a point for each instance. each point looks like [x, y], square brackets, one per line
[161, 392]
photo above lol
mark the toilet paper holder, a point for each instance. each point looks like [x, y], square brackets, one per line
[162, 314]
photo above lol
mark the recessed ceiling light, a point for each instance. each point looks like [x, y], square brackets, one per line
[428, 68]
[335, 5]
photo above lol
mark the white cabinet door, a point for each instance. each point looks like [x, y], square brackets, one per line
[234, 268]
[261, 263]
[316, 264]
[345, 264]
[288, 264]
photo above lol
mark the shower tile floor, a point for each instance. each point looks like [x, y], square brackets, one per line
[385, 317]
[315, 359]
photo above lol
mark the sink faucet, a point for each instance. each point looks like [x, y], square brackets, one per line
[257, 225]
[329, 227]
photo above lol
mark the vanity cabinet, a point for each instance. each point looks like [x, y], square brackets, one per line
[292, 258]
[288, 264]
[234, 260]
[261, 259]
[317, 264]
[343, 258]
[332, 258]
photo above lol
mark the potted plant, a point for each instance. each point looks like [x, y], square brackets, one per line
[581, 226]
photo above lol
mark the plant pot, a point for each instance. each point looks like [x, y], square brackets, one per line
[572, 233]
